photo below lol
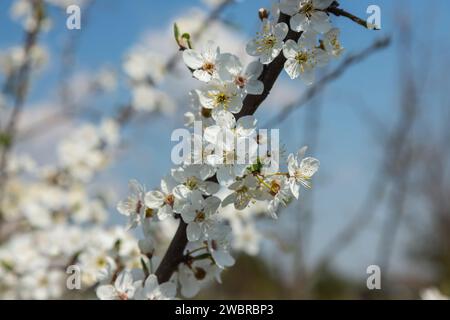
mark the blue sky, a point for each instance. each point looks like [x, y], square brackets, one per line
[346, 147]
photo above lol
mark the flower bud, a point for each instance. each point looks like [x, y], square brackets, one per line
[263, 14]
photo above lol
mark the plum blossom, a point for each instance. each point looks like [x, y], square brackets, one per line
[269, 42]
[247, 79]
[123, 288]
[302, 57]
[151, 290]
[281, 192]
[218, 245]
[205, 63]
[163, 201]
[244, 191]
[301, 170]
[231, 140]
[219, 95]
[332, 44]
[134, 206]
[197, 213]
[194, 178]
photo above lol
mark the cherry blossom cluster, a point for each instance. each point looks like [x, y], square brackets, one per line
[199, 192]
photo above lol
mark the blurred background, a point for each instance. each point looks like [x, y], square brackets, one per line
[380, 127]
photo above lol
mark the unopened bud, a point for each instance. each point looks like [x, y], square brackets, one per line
[263, 14]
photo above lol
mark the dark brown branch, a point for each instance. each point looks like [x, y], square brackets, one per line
[175, 252]
[20, 92]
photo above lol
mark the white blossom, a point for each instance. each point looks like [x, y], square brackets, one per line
[247, 80]
[269, 42]
[123, 288]
[151, 290]
[303, 57]
[134, 206]
[301, 170]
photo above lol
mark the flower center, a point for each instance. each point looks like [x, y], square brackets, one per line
[191, 183]
[275, 187]
[240, 81]
[101, 262]
[301, 57]
[200, 217]
[149, 213]
[307, 9]
[221, 98]
[169, 200]
[208, 67]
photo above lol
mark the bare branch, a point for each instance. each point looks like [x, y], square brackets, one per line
[316, 88]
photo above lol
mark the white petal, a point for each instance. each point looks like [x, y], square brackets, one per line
[281, 30]
[225, 119]
[321, 57]
[252, 48]
[202, 75]
[212, 134]
[308, 75]
[164, 212]
[254, 69]
[106, 292]
[181, 192]
[309, 166]
[168, 289]
[211, 51]
[254, 87]
[245, 126]
[229, 199]
[298, 22]
[223, 258]
[154, 199]
[124, 281]
[211, 205]
[151, 283]
[235, 104]
[295, 188]
[292, 68]
[225, 175]
[322, 4]
[289, 7]
[290, 49]
[193, 231]
[320, 22]
[210, 187]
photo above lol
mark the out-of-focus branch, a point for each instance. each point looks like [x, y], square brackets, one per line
[125, 111]
[20, 90]
[327, 79]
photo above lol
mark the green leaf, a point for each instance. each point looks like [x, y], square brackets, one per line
[176, 32]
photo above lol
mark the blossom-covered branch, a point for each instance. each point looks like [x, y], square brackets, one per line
[223, 108]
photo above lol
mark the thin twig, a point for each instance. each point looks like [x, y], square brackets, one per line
[21, 88]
